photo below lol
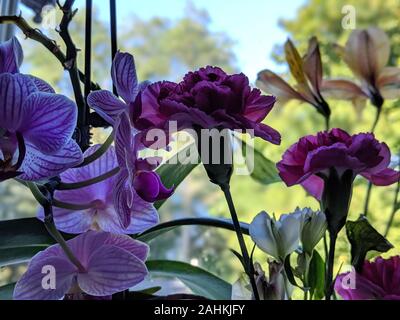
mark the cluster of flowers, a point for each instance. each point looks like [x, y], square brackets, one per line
[36, 144]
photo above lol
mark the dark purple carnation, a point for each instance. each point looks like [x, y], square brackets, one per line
[378, 280]
[208, 98]
[306, 161]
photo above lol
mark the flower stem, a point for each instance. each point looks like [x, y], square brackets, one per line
[249, 266]
[86, 183]
[331, 260]
[46, 203]
[395, 206]
[99, 152]
[367, 198]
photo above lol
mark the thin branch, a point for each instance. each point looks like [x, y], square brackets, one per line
[49, 44]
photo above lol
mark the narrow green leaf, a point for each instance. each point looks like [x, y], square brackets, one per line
[173, 172]
[17, 255]
[262, 169]
[165, 227]
[23, 232]
[363, 238]
[200, 281]
[6, 292]
[316, 276]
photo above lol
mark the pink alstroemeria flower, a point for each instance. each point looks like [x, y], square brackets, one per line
[102, 213]
[378, 280]
[110, 264]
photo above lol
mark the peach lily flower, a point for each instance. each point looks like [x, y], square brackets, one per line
[308, 73]
[367, 54]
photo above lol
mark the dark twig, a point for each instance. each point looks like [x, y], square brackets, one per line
[113, 29]
[82, 132]
[49, 44]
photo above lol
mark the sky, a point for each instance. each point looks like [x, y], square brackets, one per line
[251, 24]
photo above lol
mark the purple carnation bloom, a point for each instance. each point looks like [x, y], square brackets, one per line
[309, 160]
[32, 116]
[208, 98]
[136, 176]
[378, 280]
[111, 263]
[102, 213]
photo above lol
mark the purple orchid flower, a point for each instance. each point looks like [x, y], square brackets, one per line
[36, 125]
[102, 214]
[309, 160]
[123, 73]
[378, 280]
[110, 264]
[136, 176]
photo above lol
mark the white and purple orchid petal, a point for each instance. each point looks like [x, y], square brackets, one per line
[69, 221]
[84, 245]
[123, 73]
[108, 106]
[137, 248]
[150, 188]
[14, 90]
[121, 197]
[143, 216]
[41, 85]
[49, 121]
[111, 270]
[38, 166]
[30, 286]
[11, 56]
[124, 149]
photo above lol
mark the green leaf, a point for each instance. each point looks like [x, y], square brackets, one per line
[17, 255]
[316, 276]
[200, 281]
[173, 172]
[262, 169]
[6, 292]
[364, 238]
[165, 227]
[23, 233]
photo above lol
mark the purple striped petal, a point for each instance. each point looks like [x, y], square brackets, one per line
[11, 56]
[29, 287]
[14, 90]
[137, 248]
[123, 73]
[121, 196]
[108, 106]
[39, 166]
[49, 121]
[72, 222]
[143, 216]
[84, 245]
[41, 85]
[111, 270]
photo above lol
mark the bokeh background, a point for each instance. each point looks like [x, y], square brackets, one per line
[168, 38]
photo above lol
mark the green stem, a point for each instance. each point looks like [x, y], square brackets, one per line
[377, 117]
[394, 208]
[71, 206]
[331, 261]
[245, 254]
[367, 198]
[89, 182]
[50, 225]
[99, 152]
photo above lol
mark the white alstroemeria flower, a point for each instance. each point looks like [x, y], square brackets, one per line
[313, 228]
[278, 238]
